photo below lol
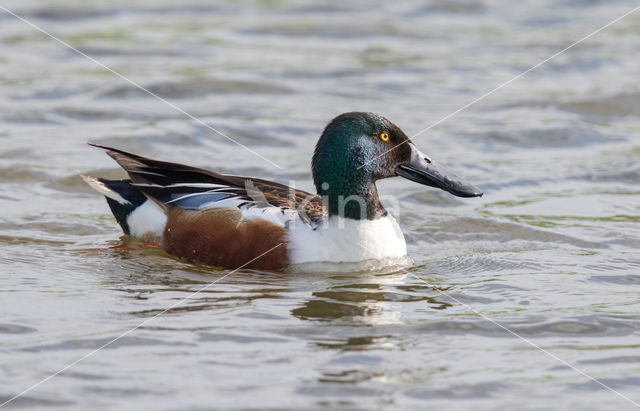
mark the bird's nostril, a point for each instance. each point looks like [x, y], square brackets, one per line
[427, 159]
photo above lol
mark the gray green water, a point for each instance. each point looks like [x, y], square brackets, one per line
[552, 251]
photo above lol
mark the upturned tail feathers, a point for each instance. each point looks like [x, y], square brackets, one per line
[122, 197]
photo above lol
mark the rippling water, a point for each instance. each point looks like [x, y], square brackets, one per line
[551, 251]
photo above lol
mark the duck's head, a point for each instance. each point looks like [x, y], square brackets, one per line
[357, 149]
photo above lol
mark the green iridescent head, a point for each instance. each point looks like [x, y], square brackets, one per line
[351, 155]
[357, 149]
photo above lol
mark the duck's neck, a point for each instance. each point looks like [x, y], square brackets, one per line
[354, 201]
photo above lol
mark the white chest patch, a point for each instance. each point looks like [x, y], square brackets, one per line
[346, 240]
[147, 222]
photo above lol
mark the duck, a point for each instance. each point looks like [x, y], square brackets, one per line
[232, 221]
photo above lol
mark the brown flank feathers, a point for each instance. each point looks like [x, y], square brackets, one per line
[222, 238]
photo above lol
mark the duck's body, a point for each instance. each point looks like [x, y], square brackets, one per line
[232, 221]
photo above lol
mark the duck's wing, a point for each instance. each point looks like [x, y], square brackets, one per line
[191, 188]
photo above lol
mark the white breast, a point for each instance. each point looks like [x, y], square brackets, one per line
[346, 240]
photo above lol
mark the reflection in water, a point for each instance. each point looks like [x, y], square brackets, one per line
[364, 302]
[364, 298]
[372, 299]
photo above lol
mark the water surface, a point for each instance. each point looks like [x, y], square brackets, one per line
[551, 251]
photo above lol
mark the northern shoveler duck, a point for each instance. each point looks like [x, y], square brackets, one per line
[233, 221]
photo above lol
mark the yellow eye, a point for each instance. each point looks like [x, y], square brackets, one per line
[384, 136]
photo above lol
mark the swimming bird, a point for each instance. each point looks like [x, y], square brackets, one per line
[233, 221]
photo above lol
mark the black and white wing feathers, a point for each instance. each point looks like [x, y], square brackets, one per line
[179, 185]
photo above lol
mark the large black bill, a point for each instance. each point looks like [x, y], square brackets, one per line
[423, 170]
